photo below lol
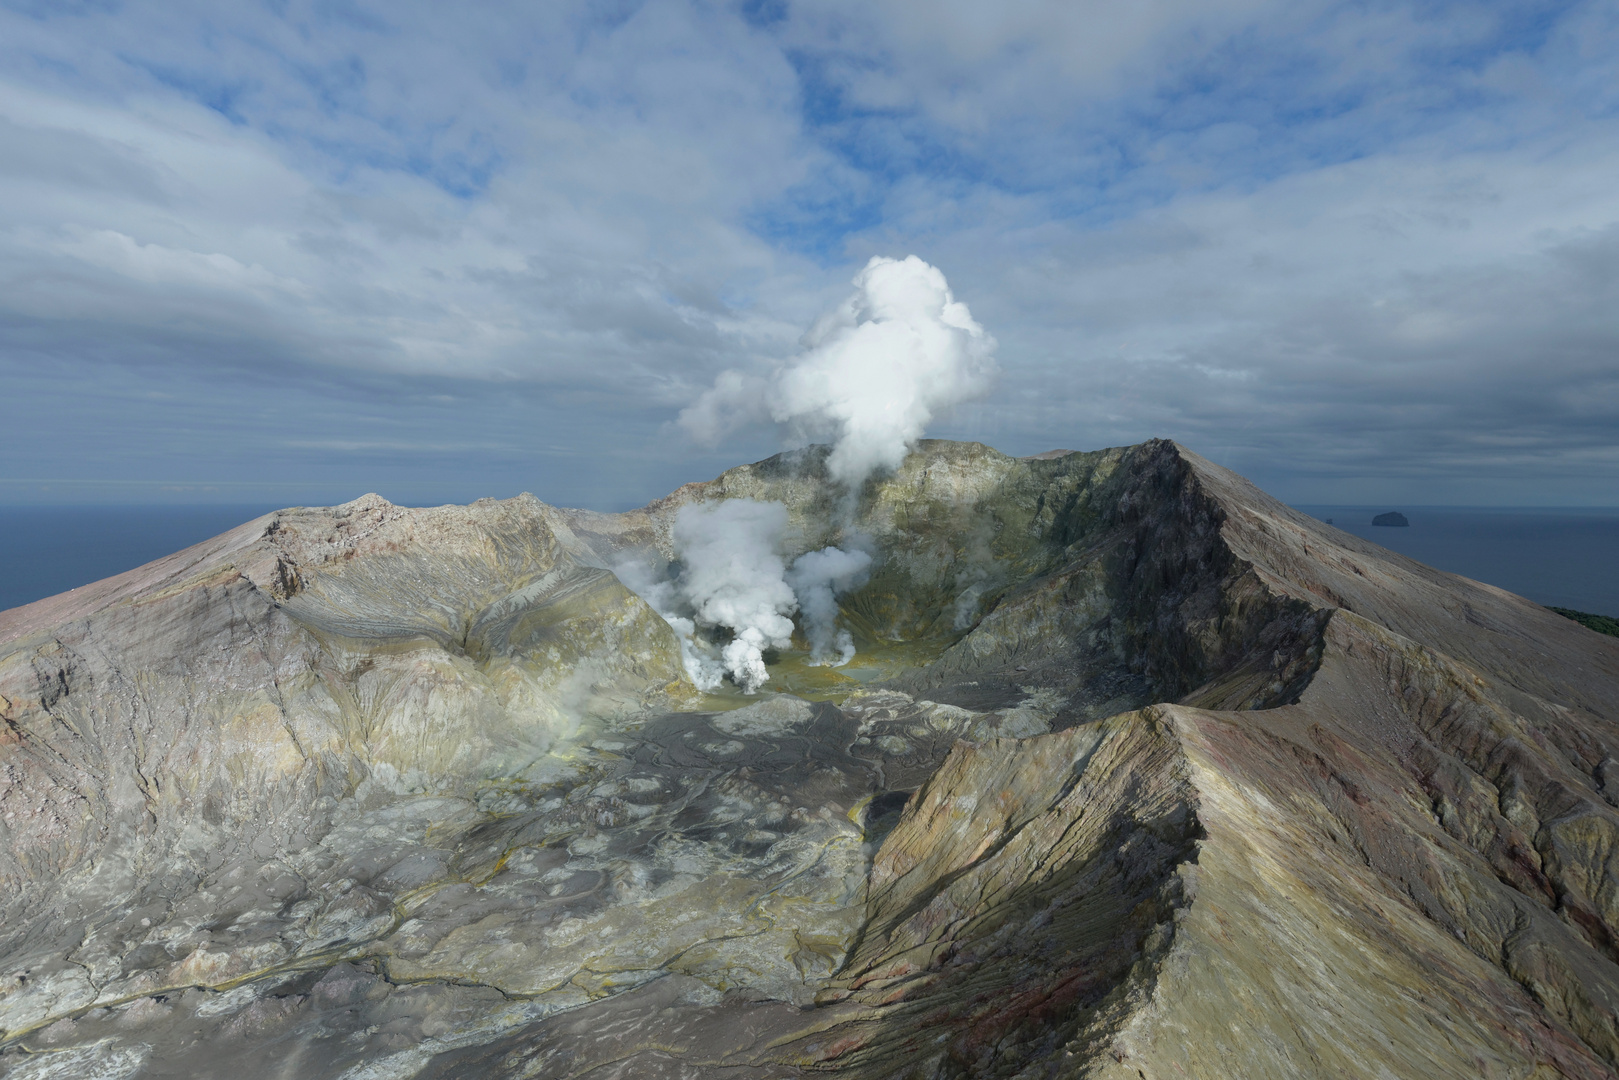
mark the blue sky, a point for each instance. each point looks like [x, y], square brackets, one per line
[291, 252]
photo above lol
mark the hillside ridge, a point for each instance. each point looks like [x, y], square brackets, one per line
[1138, 772]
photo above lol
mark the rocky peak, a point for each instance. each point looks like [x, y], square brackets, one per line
[1149, 775]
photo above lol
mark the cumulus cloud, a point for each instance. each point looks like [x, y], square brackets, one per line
[361, 192]
[872, 375]
[1359, 251]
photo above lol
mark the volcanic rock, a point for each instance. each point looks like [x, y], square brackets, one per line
[1148, 775]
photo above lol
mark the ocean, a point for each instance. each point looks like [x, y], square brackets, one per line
[45, 550]
[1564, 558]
[1557, 557]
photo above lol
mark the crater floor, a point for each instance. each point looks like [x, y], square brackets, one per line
[1136, 773]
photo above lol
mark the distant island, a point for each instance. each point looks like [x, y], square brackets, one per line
[1602, 624]
[1393, 517]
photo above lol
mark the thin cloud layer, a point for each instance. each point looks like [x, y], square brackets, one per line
[1348, 249]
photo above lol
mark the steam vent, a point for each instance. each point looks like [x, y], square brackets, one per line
[1135, 773]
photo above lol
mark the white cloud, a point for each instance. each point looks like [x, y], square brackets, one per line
[595, 229]
[1316, 240]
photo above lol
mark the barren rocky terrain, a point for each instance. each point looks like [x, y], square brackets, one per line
[1138, 774]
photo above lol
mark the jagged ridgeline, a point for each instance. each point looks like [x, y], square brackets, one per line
[1136, 773]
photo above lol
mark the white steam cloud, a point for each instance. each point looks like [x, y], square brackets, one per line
[873, 374]
[733, 580]
[818, 578]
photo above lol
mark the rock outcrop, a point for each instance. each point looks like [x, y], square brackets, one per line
[1161, 778]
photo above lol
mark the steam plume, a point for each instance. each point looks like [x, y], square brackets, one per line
[817, 578]
[872, 375]
[663, 595]
[732, 577]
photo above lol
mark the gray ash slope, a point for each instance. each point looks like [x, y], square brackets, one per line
[1172, 781]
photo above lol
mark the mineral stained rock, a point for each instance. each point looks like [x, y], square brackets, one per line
[1145, 775]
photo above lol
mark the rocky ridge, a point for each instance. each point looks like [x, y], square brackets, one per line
[1183, 783]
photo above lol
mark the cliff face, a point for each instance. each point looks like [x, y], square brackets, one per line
[1184, 783]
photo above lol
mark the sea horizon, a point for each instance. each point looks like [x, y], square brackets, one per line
[1556, 556]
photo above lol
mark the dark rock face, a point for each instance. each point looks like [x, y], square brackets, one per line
[1393, 517]
[1169, 780]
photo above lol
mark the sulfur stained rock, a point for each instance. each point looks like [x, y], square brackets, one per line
[1150, 776]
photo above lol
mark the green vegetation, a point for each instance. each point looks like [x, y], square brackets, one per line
[1602, 624]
